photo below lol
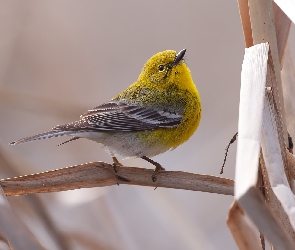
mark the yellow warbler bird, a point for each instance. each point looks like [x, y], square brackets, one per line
[158, 112]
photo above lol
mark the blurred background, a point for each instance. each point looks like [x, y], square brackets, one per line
[60, 58]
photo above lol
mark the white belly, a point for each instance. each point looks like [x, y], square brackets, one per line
[126, 145]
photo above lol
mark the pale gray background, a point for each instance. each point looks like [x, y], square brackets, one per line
[60, 58]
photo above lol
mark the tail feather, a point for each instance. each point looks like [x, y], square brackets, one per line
[41, 136]
[71, 139]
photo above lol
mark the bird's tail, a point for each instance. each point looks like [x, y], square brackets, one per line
[46, 135]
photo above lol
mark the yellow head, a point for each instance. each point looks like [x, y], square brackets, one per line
[165, 68]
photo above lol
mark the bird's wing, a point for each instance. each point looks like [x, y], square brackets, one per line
[120, 116]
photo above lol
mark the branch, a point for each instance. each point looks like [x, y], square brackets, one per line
[99, 174]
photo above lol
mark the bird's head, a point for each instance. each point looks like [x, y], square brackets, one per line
[167, 67]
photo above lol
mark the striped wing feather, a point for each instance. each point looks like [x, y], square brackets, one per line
[120, 116]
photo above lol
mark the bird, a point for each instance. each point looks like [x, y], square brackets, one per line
[157, 113]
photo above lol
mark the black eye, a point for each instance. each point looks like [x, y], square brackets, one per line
[161, 67]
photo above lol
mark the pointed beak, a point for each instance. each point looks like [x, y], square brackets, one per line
[178, 57]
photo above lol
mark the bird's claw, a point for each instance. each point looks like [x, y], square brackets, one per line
[157, 169]
[116, 164]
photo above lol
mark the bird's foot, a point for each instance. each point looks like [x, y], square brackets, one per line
[157, 169]
[116, 164]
